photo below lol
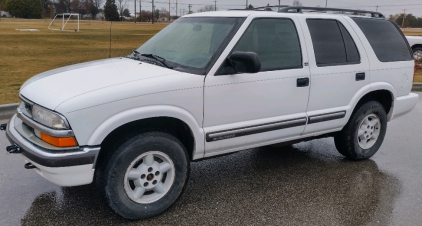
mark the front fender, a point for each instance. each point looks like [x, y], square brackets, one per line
[117, 120]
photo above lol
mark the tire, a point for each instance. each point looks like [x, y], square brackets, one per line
[417, 54]
[129, 169]
[349, 141]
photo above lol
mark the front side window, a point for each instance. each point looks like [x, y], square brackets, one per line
[191, 43]
[275, 41]
[332, 43]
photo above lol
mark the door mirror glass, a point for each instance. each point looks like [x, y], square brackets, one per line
[245, 62]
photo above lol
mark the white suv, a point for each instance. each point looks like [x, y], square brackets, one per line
[210, 84]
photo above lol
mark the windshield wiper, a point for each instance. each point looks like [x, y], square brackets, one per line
[155, 57]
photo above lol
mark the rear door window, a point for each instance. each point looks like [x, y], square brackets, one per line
[387, 41]
[332, 43]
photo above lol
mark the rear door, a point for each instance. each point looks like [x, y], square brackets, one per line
[339, 69]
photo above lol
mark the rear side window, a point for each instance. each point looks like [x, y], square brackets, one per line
[385, 38]
[332, 43]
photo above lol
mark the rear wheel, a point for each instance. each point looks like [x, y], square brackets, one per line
[364, 133]
[145, 175]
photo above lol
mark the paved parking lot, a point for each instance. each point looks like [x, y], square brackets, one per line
[304, 184]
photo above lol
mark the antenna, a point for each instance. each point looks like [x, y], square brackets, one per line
[109, 50]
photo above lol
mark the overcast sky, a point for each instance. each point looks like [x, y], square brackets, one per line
[386, 7]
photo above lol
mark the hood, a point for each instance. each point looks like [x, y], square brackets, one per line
[51, 88]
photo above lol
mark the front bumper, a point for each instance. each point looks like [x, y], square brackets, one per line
[68, 168]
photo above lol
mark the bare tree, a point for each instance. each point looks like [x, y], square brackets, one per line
[79, 6]
[2, 3]
[94, 7]
[164, 13]
[67, 4]
[121, 5]
[296, 3]
[207, 8]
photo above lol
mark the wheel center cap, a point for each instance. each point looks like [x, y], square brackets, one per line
[150, 177]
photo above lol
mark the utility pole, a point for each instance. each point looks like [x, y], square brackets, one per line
[326, 3]
[169, 10]
[140, 10]
[246, 4]
[279, 5]
[404, 16]
[152, 13]
[176, 9]
[190, 6]
[215, 7]
[377, 8]
[135, 11]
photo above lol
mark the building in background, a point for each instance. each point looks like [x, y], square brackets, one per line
[5, 14]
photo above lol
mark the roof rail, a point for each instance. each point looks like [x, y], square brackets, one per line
[298, 9]
[262, 8]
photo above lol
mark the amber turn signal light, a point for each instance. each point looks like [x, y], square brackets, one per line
[59, 141]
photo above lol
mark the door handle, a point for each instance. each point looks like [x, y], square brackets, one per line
[360, 76]
[302, 82]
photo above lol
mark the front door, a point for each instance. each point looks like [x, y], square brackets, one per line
[247, 110]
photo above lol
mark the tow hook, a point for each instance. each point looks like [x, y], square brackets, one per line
[3, 126]
[13, 149]
[29, 166]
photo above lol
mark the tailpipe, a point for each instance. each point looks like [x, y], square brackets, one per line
[13, 149]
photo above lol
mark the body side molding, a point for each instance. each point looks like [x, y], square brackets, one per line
[261, 128]
[326, 117]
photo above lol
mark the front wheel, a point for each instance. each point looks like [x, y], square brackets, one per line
[145, 175]
[417, 54]
[364, 133]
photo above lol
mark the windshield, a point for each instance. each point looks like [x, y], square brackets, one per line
[191, 42]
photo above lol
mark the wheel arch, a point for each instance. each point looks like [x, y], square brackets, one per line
[172, 120]
[416, 46]
[381, 92]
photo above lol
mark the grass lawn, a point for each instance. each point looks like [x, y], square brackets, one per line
[24, 54]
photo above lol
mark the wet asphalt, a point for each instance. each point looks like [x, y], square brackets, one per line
[308, 183]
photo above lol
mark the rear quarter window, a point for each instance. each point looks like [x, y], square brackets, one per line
[386, 39]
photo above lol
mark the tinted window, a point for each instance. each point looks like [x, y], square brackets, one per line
[385, 38]
[332, 43]
[275, 41]
[352, 53]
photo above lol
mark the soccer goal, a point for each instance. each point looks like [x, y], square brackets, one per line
[65, 19]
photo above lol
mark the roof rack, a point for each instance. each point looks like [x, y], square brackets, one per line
[263, 8]
[299, 9]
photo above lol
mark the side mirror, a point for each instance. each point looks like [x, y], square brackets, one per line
[245, 62]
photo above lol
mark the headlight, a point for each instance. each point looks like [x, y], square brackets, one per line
[49, 118]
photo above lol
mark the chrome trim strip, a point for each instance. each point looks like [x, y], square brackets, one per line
[326, 117]
[244, 131]
[44, 129]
